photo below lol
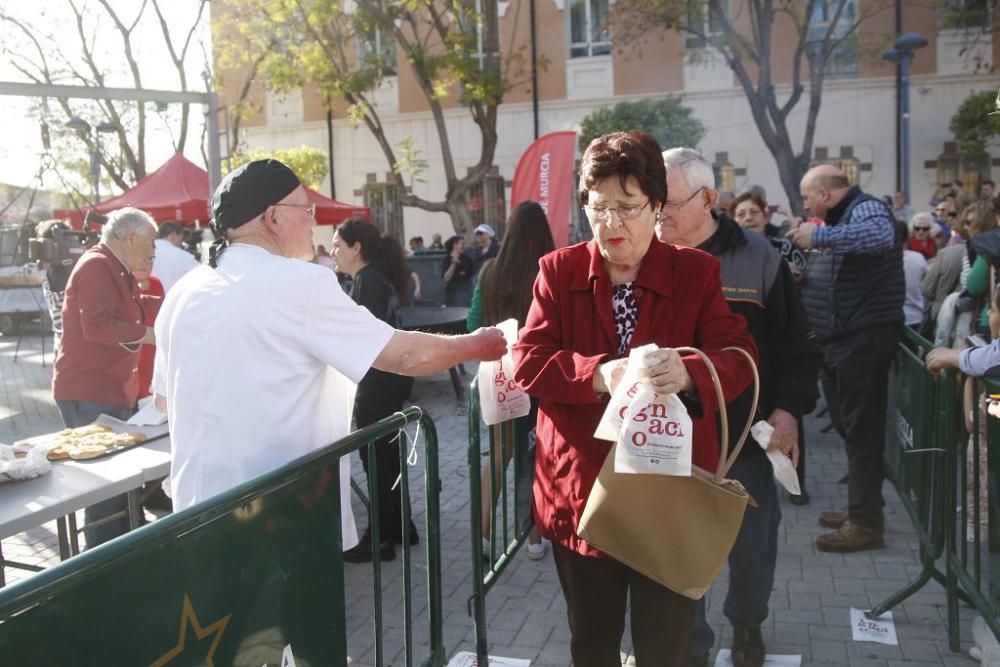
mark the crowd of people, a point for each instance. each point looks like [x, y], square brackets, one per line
[263, 355]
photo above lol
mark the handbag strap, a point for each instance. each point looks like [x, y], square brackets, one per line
[726, 460]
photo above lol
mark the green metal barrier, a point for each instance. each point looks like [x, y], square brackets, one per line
[914, 456]
[973, 564]
[510, 515]
[252, 577]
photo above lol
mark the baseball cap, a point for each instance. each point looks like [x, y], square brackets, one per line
[484, 229]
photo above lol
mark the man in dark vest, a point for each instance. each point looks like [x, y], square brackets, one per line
[853, 294]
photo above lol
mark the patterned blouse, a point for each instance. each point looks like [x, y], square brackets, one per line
[626, 312]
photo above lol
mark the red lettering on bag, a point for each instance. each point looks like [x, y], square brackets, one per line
[659, 410]
[633, 390]
[501, 397]
[500, 379]
[674, 430]
[640, 416]
[511, 385]
[639, 439]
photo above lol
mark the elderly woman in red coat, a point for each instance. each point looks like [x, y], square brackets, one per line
[593, 302]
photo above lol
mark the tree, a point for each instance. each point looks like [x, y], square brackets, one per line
[976, 122]
[95, 45]
[742, 32]
[308, 163]
[452, 48]
[665, 119]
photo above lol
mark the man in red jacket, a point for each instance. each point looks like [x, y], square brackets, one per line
[96, 368]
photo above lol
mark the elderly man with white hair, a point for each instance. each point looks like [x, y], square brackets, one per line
[96, 367]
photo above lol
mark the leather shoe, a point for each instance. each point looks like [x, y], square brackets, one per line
[748, 647]
[362, 553]
[832, 519]
[801, 499]
[849, 538]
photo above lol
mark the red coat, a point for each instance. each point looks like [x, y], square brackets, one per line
[147, 353]
[103, 320]
[570, 330]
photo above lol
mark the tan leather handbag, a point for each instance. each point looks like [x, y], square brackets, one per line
[677, 531]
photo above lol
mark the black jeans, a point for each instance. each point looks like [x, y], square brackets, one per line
[596, 592]
[81, 413]
[379, 396]
[855, 379]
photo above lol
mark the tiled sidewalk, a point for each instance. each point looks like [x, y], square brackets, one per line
[526, 614]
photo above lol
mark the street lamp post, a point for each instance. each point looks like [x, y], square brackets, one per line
[92, 136]
[901, 53]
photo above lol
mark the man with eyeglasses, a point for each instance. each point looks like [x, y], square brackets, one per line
[758, 285]
[258, 358]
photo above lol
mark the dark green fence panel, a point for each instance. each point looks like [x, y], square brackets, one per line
[915, 456]
[510, 515]
[245, 578]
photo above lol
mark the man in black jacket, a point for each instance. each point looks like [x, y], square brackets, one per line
[854, 297]
[758, 284]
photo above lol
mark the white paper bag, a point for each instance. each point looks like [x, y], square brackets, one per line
[611, 421]
[784, 471]
[655, 436]
[500, 399]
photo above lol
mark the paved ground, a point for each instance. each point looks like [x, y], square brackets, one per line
[526, 613]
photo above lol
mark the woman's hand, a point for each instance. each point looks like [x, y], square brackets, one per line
[666, 372]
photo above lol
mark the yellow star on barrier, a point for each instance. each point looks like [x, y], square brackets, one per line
[188, 618]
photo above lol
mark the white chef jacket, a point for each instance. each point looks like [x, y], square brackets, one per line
[259, 361]
[171, 263]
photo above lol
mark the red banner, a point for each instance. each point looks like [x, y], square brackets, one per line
[545, 175]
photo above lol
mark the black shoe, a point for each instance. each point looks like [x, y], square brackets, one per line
[414, 536]
[748, 647]
[363, 552]
[801, 499]
[158, 500]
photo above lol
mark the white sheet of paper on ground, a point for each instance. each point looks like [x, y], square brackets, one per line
[468, 659]
[723, 659]
[881, 630]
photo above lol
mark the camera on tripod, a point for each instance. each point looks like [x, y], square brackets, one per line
[55, 244]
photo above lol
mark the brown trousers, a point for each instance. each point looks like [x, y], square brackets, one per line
[596, 591]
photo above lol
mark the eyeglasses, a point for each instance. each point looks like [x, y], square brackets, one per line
[673, 206]
[601, 213]
[921, 229]
[310, 208]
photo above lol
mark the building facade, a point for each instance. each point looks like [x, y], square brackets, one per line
[584, 69]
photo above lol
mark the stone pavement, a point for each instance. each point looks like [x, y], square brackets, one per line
[526, 614]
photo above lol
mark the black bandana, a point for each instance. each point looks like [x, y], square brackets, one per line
[246, 193]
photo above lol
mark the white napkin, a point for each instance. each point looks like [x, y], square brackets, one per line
[784, 471]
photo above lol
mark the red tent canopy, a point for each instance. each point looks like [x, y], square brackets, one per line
[178, 191]
[332, 212]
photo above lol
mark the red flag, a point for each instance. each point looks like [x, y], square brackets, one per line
[545, 175]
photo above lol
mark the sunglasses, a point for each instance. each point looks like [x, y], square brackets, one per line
[921, 229]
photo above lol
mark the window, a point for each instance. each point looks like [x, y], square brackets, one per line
[588, 28]
[965, 14]
[474, 26]
[376, 49]
[703, 18]
[843, 62]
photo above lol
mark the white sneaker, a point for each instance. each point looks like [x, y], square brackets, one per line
[537, 551]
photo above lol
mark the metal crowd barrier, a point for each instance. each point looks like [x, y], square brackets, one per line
[973, 537]
[947, 479]
[510, 513]
[253, 576]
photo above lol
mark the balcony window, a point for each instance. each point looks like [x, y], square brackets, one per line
[588, 28]
[843, 62]
[377, 49]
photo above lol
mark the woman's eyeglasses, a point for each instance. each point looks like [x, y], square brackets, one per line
[921, 229]
[602, 213]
